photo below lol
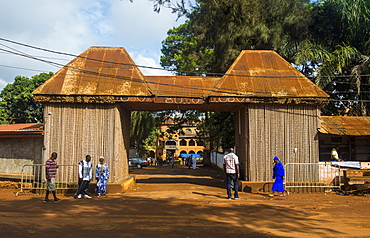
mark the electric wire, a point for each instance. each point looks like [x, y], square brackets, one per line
[222, 90]
[19, 53]
[16, 67]
[157, 68]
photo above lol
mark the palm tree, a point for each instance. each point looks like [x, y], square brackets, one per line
[338, 54]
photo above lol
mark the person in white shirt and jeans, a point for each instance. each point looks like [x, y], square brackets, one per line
[231, 168]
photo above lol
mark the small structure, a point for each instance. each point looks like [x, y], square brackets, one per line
[350, 133]
[20, 144]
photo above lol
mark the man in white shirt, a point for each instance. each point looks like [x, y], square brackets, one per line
[85, 175]
[231, 168]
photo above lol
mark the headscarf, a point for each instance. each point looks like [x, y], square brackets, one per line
[102, 167]
[277, 158]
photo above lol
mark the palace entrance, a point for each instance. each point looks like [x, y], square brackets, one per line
[87, 106]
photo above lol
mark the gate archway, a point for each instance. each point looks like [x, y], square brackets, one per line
[87, 107]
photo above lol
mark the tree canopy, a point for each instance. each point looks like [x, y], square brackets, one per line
[337, 54]
[17, 104]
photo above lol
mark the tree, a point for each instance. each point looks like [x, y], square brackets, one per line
[17, 104]
[228, 27]
[182, 52]
[143, 131]
[338, 54]
[218, 128]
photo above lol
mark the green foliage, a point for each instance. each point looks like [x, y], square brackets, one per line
[182, 52]
[338, 54]
[143, 131]
[234, 25]
[17, 104]
[218, 127]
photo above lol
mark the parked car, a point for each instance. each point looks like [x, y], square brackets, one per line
[137, 163]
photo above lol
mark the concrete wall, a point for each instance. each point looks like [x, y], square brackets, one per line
[18, 151]
[217, 159]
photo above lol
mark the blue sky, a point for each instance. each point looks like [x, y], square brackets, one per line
[72, 26]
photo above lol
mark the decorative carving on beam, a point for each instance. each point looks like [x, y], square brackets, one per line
[228, 100]
[133, 99]
[73, 99]
[175, 100]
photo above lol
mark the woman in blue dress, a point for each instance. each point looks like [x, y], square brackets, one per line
[279, 176]
[101, 175]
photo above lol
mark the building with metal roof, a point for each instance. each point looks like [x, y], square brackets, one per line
[350, 133]
[21, 130]
[87, 106]
[20, 144]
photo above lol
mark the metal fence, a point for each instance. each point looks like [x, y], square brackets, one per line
[312, 177]
[33, 178]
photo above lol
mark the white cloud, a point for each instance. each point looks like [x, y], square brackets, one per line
[2, 83]
[73, 26]
[155, 68]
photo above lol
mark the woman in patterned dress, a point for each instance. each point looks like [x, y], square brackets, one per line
[102, 175]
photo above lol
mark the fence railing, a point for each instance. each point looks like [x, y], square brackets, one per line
[33, 178]
[312, 177]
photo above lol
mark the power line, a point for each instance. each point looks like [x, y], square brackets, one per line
[15, 67]
[19, 53]
[41, 70]
[32, 57]
[221, 90]
[192, 72]
[78, 56]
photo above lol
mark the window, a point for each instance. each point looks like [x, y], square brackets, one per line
[200, 143]
[191, 142]
[182, 142]
[170, 142]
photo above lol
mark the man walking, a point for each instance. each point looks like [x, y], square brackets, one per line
[231, 168]
[51, 170]
[85, 175]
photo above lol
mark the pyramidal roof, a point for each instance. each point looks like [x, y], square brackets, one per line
[104, 71]
[110, 71]
[264, 73]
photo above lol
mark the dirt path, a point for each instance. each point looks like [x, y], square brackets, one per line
[182, 202]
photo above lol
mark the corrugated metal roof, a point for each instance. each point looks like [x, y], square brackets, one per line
[22, 127]
[182, 86]
[264, 73]
[109, 71]
[345, 125]
[14, 130]
[103, 71]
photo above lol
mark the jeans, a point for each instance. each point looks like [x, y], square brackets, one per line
[232, 178]
[83, 187]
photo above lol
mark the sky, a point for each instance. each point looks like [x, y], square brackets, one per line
[72, 26]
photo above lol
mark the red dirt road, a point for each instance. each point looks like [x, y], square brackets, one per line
[182, 202]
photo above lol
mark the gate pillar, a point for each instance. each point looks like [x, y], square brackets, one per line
[75, 130]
